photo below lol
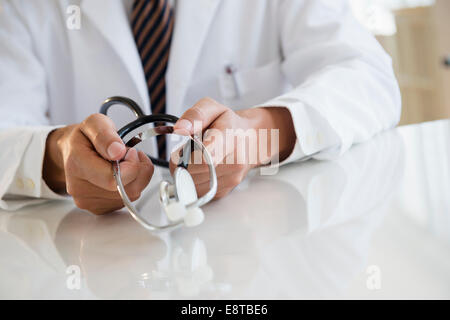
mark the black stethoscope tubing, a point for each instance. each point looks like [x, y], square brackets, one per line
[141, 120]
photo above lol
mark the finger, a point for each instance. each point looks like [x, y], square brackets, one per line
[85, 163]
[224, 183]
[217, 147]
[145, 173]
[143, 158]
[175, 159]
[239, 147]
[198, 163]
[99, 201]
[201, 175]
[130, 167]
[80, 188]
[101, 132]
[203, 113]
[146, 169]
[204, 188]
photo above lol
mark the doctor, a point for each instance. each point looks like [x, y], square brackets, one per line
[305, 67]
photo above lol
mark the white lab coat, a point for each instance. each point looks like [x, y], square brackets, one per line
[310, 56]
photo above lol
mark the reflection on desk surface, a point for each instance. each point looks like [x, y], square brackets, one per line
[315, 230]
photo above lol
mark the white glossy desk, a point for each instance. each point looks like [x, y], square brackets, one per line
[373, 224]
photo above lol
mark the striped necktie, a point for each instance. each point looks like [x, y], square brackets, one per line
[152, 25]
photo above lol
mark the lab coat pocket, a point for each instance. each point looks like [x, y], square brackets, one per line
[250, 87]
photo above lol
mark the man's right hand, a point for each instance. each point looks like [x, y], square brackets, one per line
[77, 162]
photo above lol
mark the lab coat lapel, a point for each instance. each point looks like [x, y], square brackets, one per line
[192, 22]
[110, 17]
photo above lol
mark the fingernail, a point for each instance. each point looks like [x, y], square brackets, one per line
[132, 155]
[183, 127]
[115, 150]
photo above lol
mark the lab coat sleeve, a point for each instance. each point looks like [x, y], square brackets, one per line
[345, 90]
[23, 123]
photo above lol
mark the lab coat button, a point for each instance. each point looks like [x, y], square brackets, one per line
[29, 184]
[309, 140]
[319, 138]
[19, 184]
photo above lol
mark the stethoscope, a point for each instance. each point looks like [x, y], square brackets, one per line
[178, 199]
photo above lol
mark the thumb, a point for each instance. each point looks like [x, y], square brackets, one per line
[199, 117]
[101, 132]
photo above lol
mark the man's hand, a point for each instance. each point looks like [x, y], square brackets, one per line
[77, 161]
[231, 168]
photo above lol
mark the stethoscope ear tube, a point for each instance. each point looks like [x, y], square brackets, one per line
[141, 120]
[127, 102]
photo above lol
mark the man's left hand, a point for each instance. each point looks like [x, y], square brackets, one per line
[215, 119]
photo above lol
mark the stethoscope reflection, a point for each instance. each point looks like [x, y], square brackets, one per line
[303, 233]
[28, 253]
[184, 271]
[120, 260]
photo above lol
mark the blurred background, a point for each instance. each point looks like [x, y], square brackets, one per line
[416, 33]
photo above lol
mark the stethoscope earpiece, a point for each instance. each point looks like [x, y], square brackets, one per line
[178, 200]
